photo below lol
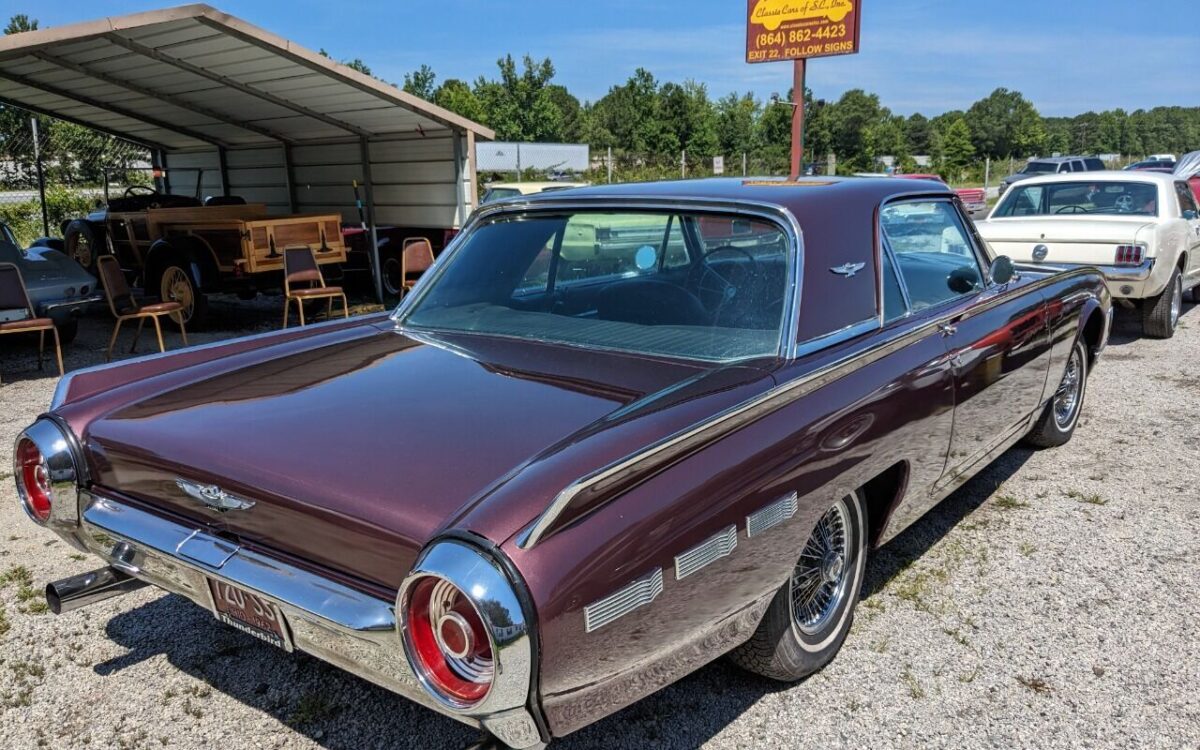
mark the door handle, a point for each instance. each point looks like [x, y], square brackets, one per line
[947, 330]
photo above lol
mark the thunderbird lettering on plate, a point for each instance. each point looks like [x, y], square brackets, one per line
[250, 614]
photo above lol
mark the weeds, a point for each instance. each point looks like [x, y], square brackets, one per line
[914, 688]
[1036, 684]
[1027, 549]
[1089, 498]
[1008, 502]
[312, 708]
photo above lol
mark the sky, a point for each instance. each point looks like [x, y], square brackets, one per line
[929, 56]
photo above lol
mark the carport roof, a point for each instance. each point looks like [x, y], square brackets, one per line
[193, 77]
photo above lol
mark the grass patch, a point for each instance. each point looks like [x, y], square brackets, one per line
[914, 687]
[18, 574]
[1027, 549]
[1036, 684]
[78, 557]
[1008, 502]
[312, 708]
[957, 635]
[5, 625]
[1091, 498]
[880, 646]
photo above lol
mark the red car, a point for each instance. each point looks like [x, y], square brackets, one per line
[539, 492]
[975, 199]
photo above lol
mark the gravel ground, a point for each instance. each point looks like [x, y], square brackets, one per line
[1051, 602]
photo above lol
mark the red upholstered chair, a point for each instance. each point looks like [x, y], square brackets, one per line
[416, 257]
[14, 297]
[124, 307]
[300, 267]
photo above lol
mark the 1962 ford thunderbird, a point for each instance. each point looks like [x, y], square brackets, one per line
[612, 436]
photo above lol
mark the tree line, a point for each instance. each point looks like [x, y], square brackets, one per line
[645, 115]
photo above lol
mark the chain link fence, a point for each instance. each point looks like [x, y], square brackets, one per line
[70, 165]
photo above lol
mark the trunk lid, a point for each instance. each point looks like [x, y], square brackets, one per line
[1067, 239]
[357, 450]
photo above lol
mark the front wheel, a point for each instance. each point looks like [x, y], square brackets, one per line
[808, 620]
[177, 285]
[1160, 315]
[1057, 423]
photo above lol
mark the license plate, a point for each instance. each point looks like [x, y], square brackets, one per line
[250, 614]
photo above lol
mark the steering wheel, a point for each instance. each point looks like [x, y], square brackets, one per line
[133, 190]
[1072, 210]
[717, 289]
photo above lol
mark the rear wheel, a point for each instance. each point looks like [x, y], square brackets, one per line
[82, 244]
[808, 620]
[177, 285]
[67, 330]
[393, 275]
[1160, 315]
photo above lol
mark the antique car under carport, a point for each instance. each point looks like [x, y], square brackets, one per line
[643, 426]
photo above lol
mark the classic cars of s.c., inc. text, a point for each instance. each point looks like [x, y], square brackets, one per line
[613, 435]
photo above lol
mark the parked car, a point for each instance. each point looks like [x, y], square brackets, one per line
[1140, 228]
[180, 249]
[497, 191]
[617, 465]
[974, 199]
[1053, 165]
[57, 286]
[1168, 165]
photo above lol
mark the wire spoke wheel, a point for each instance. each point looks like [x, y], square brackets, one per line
[81, 251]
[175, 286]
[820, 579]
[1066, 399]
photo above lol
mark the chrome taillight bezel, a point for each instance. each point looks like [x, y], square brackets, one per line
[58, 458]
[490, 591]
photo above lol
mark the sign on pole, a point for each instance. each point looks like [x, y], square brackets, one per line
[718, 165]
[778, 30]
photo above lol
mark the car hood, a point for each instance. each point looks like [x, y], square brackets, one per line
[358, 447]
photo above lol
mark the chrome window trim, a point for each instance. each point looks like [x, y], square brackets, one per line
[908, 311]
[789, 322]
[776, 397]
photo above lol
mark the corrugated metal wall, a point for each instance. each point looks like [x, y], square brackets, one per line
[418, 181]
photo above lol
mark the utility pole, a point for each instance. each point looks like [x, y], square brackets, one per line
[610, 165]
[798, 75]
[41, 177]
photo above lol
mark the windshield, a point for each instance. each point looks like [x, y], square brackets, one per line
[1039, 167]
[499, 194]
[1069, 198]
[695, 286]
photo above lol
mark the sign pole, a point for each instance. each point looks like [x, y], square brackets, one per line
[798, 75]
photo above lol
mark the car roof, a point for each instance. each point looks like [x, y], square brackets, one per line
[534, 186]
[1107, 175]
[1061, 159]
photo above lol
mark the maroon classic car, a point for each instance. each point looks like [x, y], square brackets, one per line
[611, 436]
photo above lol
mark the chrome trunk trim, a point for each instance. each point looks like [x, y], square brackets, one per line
[620, 603]
[774, 514]
[706, 553]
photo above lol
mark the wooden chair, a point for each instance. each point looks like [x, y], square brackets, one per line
[416, 257]
[13, 296]
[124, 307]
[300, 267]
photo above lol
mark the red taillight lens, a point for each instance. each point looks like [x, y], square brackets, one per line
[449, 642]
[1129, 255]
[34, 479]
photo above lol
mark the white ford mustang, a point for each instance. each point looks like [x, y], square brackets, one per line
[1141, 229]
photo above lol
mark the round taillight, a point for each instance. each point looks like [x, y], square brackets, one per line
[449, 642]
[34, 479]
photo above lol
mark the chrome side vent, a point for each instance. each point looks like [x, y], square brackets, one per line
[772, 515]
[706, 553]
[616, 605]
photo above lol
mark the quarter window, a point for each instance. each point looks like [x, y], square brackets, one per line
[933, 252]
[894, 306]
[1187, 202]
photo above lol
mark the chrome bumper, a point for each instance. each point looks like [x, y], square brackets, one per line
[69, 304]
[333, 622]
[1130, 274]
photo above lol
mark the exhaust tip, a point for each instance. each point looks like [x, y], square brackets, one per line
[53, 599]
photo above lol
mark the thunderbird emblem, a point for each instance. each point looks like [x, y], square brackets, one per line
[849, 270]
[213, 496]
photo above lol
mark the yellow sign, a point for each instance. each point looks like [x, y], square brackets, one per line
[774, 13]
[799, 29]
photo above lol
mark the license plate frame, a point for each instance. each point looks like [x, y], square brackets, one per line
[250, 613]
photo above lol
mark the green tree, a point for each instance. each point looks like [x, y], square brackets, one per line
[688, 113]
[917, 132]
[421, 83]
[458, 97]
[19, 23]
[958, 151]
[520, 106]
[570, 110]
[736, 116]
[1005, 124]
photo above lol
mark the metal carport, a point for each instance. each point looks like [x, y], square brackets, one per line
[263, 117]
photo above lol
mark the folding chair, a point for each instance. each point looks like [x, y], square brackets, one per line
[416, 257]
[300, 267]
[124, 307]
[13, 296]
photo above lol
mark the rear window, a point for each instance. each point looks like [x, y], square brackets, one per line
[1080, 198]
[1095, 164]
[1039, 167]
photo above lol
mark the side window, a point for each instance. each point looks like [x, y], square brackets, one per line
[1064, 167]
[894, 305]
[933, 252]
[1187, 202]
[1095, 165]
[1078, 166]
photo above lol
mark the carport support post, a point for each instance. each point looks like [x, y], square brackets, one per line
[41, 175]
[223, 166]
[369, 189]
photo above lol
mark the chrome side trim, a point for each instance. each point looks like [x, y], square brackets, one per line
[758, 406]
[774, 514]
[706, 553]
[620, 603]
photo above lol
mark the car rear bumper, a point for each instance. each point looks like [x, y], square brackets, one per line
[347, 628]
[1124, 282]
[65, 308]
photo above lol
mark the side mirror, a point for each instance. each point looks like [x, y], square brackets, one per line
[1190, 215]
[1002, 270]
[963, 280]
